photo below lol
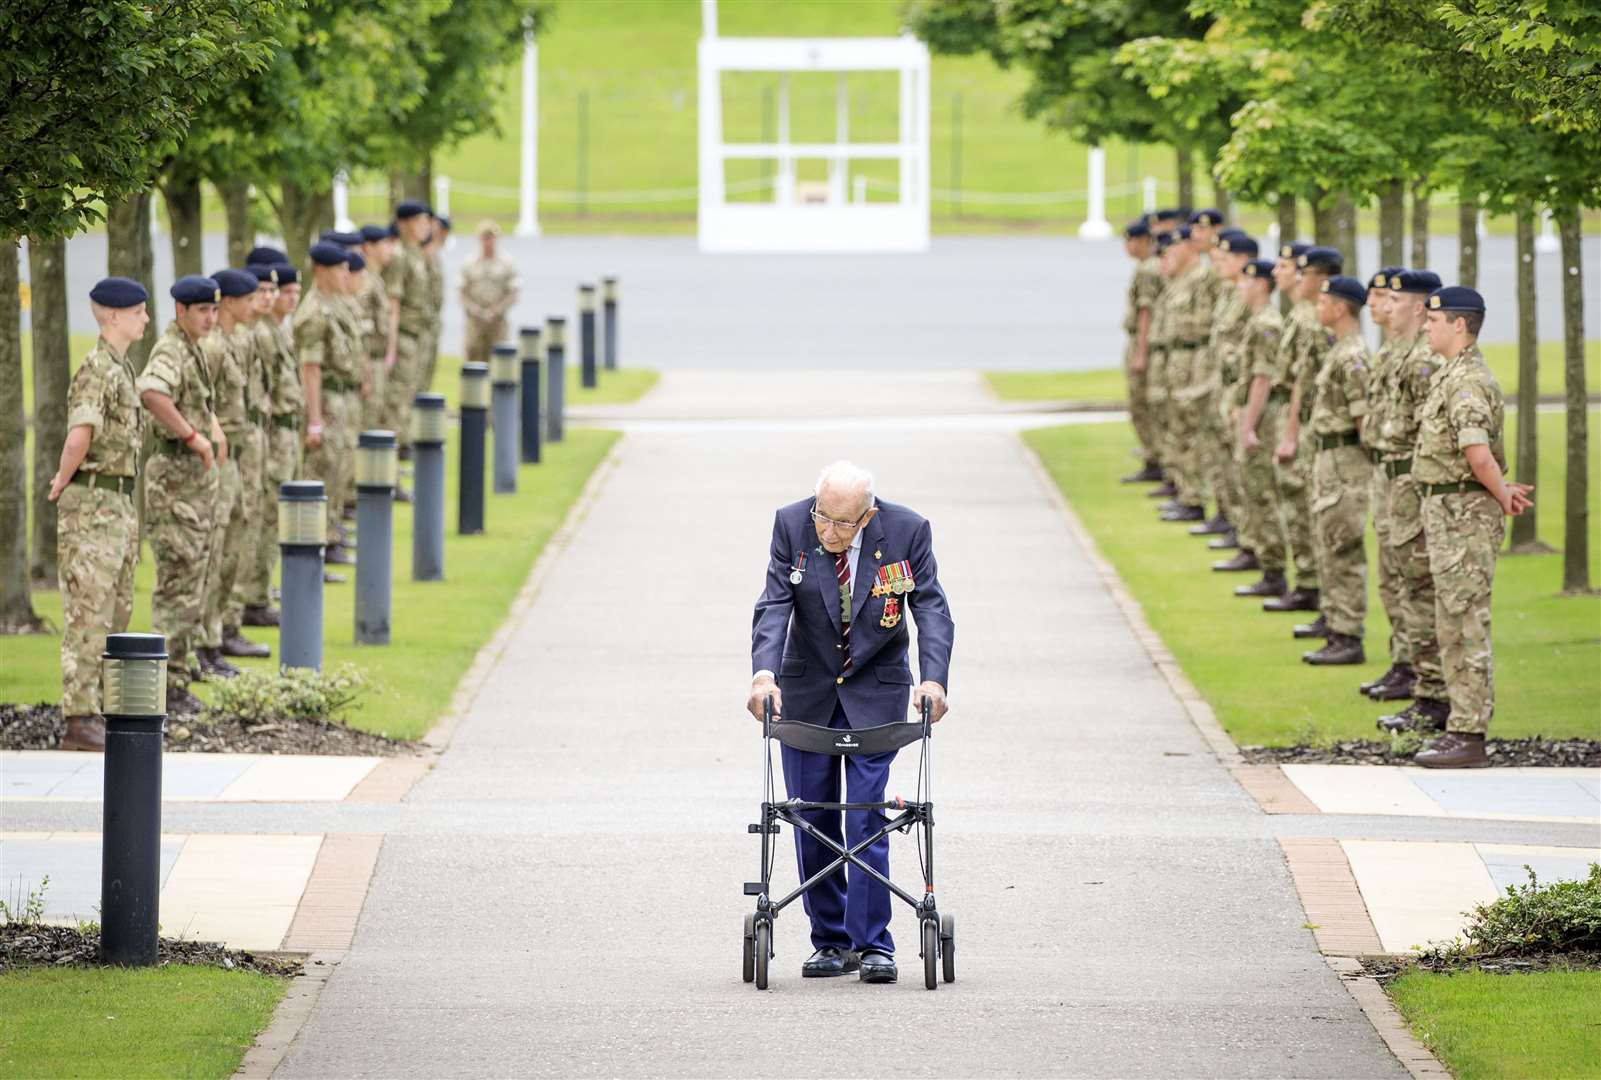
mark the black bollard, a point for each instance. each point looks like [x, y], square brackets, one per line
[470, 479]
[133, 677]
[302, 532]
[530, 426]
[377, 464]
[505, 372]
[556, 377]
[428, 487]
[608, 301]
[586, 334]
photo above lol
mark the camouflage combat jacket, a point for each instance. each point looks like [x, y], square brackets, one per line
[406, 278]
[1464, 408]
[229, 376]
[324, 338]
[1341, 397]
[1259, 349]
[102, 397]
[178, 369]
[1400, 398]
[1143, 290]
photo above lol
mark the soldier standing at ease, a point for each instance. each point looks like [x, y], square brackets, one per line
[1378, 373]
[1459, 467]
[1156, 396]
[97, 535]
[378, 330]
[329, 355]
[263, 372]
[181, 480]
[1262, 545]
[489, 288]
[1217, 369]
[433, 263]
[406, 279]
[1188, 300]
[1143, 289]
[1342, 476]
[277, 294]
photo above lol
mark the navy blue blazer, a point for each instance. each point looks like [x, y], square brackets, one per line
[796, 631]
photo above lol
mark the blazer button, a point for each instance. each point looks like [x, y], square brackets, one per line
[839, 646]
[839, 680]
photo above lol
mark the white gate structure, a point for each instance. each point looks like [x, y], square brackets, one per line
[838, 220]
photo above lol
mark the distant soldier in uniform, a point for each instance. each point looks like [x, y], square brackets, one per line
[1304, 347]
[406, 279]
[1144, 287]
[1156, 395]
[1342, 476]
[97, 532]
[1188, 301]
[1460, 468]
[330, 357]
[1406, 387]
[489, 288]
[281, 436]
[1217, 368]
[378, 330]
[1165, 221]
[181, 480]
[253, 475]
[433, 252]
[1262, 544]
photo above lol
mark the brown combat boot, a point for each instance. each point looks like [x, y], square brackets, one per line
[1216, 525]
[1424, 714]
[1227, 542]
[1165, 491]
[1184, 512]
[1244, 559]
[236, 644]
[180, 700]
[1272, 584]
[212, 663]
[1454, 750]
[259, 615]
[1339, 649]
[1398, 688]
[85, 733]
[1318, 627]
[1297, 599]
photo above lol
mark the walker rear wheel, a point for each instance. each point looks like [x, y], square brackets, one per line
[930, 955]
[748, 973]
[764, 947]
[947, 946]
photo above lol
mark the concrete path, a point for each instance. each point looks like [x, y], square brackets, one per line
[562, 893]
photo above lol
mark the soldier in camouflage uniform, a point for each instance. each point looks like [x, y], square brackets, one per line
[1342, 476]
[1144, 287]
[280, 437]
[488, 290]
[1218, 366]
[97, 531]
[1156, 394]
[1302, 351]
[1188, 299]
[1460, 468]
[433, 252]
[1262, 545]
[1378, 503]
[181, 480]
[378, 331]
[406, 279]
[330, 355]
[1406, 387]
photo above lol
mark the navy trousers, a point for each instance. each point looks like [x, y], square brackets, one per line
[848, 911]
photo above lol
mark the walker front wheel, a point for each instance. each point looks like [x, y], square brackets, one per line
[947, 946]
[930, 955]
[748, 972]
[763, 947]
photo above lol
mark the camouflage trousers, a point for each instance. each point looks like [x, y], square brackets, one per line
[1156, 401]
[1215, 455]
[224, 564]
[281, 462]
[97, 546]
[1139, 409]
[1226, 475]
[481, 337]
[334, 461]
[400, 387]
[1259, 525]
[428, 350]
[1389, 567]
[1464, 534]
[1342, 480]
[369, 416]
[1414, 585]
[252, 458]
[180, 508]
[1186, 415]
[1292, 494]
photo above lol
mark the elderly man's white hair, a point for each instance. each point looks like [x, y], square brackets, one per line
[846, 476]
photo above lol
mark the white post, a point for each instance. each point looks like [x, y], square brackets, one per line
[786, 164]
[528, 182]
[708, 18]
[341, 195]
[838, 167]
[1273, 238]
[1479, 227]
[442, 205]
[1095, 225]
[1149, 199]
[1547, 243]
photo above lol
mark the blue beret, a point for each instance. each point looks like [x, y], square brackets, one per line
[1164, 241]
[371, 234]
[1181, 233]
[1136, 229]
[1381, 280]
[267, 275]
[355, 260]
[1260, 268]
[443, 219]
[1169, 214]
[327, 253]
[1230, 230]
[410, 208]
[1326, 259]
[195, 289]
[1239, 245]
[1347, 288]
[118, 292]
[1415, 281]
[235, 282]
[267, 256]
[1294, 250]
[1456, 298]
[348, 239]
[1207, 217]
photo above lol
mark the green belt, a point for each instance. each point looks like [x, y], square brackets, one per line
[290, 421]
[1187, 344]
[170, 447]
[339, 386]
[121, 484]
[1458, 488]
[413, 334]
[1334, 442]
[1395, 468]
[1279, 393]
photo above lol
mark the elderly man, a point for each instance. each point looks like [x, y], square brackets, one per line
[830, 622]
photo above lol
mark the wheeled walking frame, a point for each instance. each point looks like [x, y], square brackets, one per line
[937, 932]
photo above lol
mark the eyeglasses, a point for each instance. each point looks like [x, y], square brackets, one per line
[823, 522]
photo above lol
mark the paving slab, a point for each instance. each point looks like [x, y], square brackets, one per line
[1512, 794]
[33, 775]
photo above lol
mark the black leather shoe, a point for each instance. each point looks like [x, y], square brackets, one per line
[1397, 689]
[1318, 627]
[1244, 559]
[1227, 542]
[1217, 525]
[1294, 600]
[1339, 649]
[260, 615]
[1165, 491]
[339, 555]
[878, 968]
[1185, 513]
[1368, 687]
[1272, 584]
[1151, 474]
[829, 961]
[1424, 714]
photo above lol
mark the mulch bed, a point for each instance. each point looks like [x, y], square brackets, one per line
[1568, 753]
[37, 945]
[1384, 968]
[40, 727]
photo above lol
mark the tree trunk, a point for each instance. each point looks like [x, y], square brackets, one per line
[298, 215]
[1525, 530]
[324, 203]
[1185, 169]
[1225, 201]
[47, 275]
[182, 194]
[1345, 233]
[1289, 224]
[1575, 526]
[129, 254]
[1325, 228]
[1392, 224]
[1420, 225]
[16, 600]
[241, 235]
[1467, 227]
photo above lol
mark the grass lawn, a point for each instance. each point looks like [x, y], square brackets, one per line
[1243, 660]
[109, 1022]
[1107, 384]
[1484, 1025]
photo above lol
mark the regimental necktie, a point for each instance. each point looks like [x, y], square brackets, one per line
[842, 571]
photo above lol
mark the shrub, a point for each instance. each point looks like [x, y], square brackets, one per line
[260, 697]
[1562, 916]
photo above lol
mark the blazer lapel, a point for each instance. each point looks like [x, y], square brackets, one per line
[820, 568]
[867, 564]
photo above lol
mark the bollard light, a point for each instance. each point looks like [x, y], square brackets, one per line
[474, 385]
[302, 532]
[505, 372]
[586, 334]
[556, 377]
[377, 460]
[474, 419]
[529, 423]
[377, 467]
[133, 678]
[505, 369]
[608, 297]
[302, 513]
[428, 431]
